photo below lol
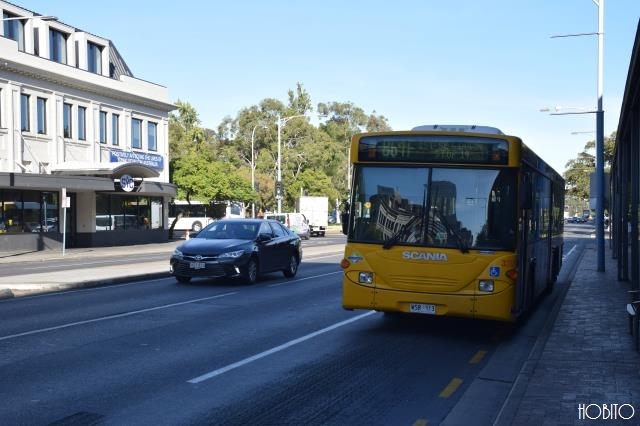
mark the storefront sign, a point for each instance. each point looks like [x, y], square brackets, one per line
[154, 161]
[126, 183]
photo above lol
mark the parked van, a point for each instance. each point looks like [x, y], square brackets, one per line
[297, 222]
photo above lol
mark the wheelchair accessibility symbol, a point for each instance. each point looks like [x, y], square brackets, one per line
[494, 271]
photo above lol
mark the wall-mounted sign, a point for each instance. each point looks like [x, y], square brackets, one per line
[126, 183]
[154, 161]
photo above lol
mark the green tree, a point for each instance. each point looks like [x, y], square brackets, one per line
[208, 165]
[196, 166]
[199, 178]
[377, 123]
[314, 182]
[578, 171]
[342, 121]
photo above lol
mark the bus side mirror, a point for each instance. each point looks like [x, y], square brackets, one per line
[344, 218]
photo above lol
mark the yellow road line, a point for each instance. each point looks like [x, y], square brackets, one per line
[477, 357]
[451, 387]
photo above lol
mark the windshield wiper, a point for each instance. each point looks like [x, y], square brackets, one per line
[392, 240]
[462, 245]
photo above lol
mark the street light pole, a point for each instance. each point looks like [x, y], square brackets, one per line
[599, 173]
[253, 167]
[600, 145]
[281, 121]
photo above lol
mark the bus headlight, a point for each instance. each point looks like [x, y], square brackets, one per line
[365, 278]
[485, 285]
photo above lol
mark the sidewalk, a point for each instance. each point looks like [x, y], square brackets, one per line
[101, 267]
[92, 274]
[585, 361]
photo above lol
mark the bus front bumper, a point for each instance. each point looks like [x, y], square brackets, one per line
[492, 306]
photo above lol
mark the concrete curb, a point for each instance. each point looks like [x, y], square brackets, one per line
[59, 281]
[510, 406]
[37, 289]
[496, 379]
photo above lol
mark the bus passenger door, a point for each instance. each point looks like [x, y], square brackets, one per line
[526, 252]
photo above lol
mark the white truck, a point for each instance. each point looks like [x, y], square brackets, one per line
[316, 210]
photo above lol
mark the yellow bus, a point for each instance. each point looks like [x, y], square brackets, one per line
[451, 220]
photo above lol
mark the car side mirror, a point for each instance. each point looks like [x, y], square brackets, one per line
[264, 237]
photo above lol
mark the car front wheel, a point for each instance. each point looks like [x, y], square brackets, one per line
[182, 279]
[291, 269]
[250, 273]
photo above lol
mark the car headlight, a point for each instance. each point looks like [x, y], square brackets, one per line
[232, 254]
[177, 253]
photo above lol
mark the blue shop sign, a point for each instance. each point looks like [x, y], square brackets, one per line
[154, 161]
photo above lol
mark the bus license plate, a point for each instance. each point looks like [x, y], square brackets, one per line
[422, 308]
[196, 265]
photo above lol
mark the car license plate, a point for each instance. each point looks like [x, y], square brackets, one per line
[422, 308]
[196, 265]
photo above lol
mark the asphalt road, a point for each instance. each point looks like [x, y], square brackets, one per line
[279, 352]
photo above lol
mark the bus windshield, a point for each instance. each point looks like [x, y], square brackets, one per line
[465, 208]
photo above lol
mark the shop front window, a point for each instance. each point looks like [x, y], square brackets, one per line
[125, 213]
[28, 211]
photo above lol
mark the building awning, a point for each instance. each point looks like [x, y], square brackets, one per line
[159, 189]
[54, 183]
[111, 170]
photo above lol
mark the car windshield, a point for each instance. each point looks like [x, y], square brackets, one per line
[461, 208]
[224, 230]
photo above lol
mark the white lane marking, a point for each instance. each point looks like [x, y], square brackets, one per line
[314, 257]
[108, 317]
[304, 279]
[569, 253]
[271, 351]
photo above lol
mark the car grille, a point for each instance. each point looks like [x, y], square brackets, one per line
[188, 257]
[209, 270]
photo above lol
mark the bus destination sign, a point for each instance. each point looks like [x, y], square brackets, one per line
[433, 149]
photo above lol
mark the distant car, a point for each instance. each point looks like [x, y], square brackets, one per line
[238, 248]
[50, 225]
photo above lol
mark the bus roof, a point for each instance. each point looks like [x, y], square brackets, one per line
[460, 128]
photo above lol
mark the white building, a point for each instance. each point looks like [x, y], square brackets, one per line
[77, 126]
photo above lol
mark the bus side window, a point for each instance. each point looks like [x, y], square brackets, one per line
[525, 192]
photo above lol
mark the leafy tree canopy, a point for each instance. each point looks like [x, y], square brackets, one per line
[578, 170]
[208, 165]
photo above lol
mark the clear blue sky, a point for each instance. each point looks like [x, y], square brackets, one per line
[490, 62]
